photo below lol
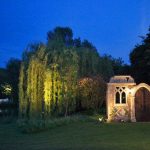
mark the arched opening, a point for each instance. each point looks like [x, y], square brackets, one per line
[123, 97]
[142, 104]
[117, 98]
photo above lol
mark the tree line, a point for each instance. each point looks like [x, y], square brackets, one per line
[66, 75]
[52, 73]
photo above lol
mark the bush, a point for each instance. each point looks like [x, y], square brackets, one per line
[92, 92]
[35, 126]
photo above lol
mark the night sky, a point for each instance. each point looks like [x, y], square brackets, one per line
[113, 26]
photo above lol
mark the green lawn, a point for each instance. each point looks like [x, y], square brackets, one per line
[79, 135]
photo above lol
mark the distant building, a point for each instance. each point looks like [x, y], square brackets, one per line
[127, 101]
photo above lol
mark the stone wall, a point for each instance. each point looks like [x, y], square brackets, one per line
[119, 112]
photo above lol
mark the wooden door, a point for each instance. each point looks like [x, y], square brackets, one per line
[142, 105]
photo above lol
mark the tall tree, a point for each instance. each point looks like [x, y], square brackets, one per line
[60, 37]
[50, 73]
[140, 60]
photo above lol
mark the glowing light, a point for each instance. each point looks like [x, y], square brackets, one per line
[7, 89]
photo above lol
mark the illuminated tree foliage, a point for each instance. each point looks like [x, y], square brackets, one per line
[32, 84]
[50, 73]
[49, 88]
[92, 92]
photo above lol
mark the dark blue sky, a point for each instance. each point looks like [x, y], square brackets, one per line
[113, 26]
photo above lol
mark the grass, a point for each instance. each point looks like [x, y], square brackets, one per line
[35, 126]
[78, 135]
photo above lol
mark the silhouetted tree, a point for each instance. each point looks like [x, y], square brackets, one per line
[140, 60]
[118, 65]
[13, 69]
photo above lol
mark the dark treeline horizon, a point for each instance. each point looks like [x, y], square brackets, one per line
[73, 59]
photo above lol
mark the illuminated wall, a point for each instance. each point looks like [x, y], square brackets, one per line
[119, 98]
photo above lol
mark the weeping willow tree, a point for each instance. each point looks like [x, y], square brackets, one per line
[89, 62]
[31, 84]
[69, 78]
[50, 73]
[60, 82]
[52, 90]
[36, 75]
[48, 83]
